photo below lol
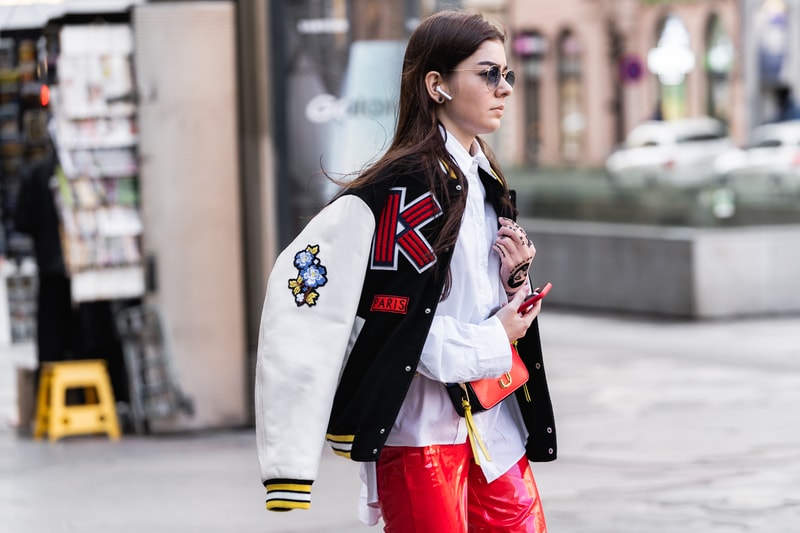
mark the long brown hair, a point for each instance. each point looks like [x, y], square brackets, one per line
[439, 43]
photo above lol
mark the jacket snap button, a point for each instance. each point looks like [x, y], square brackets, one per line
[538, 366]
[427, 310]
[550, 451]
[382, 431]
[374, 451]
[408, 368]
[549, 430]
[458, 187]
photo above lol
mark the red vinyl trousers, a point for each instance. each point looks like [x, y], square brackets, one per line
[440, 489]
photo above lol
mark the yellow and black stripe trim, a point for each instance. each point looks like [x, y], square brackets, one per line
[341, 445]
[495, 175]
[448, 170]
[288, 494]
[452, 173]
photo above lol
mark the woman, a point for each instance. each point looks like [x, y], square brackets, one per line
[410, 279]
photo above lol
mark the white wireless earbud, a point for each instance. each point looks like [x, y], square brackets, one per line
[443, 93]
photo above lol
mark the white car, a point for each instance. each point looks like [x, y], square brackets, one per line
[675, 153]
[771, 161]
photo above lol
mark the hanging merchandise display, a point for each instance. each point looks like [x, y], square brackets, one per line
[96, 188]
[23, 143]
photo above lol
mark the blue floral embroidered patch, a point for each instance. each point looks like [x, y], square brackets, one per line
[310, 276]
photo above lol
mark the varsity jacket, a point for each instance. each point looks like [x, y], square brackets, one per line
[347, 311]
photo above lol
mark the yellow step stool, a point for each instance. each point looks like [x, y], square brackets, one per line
[57, 419]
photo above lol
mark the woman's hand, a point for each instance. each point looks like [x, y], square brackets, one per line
[514, 323]
[516, 253]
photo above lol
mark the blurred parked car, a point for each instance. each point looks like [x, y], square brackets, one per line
[770, 161]
[678, 153]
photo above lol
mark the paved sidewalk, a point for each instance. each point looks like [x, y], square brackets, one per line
[664, 427]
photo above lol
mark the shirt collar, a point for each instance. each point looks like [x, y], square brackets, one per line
[462, 157]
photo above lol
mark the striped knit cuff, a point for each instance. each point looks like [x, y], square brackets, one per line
[288, 494]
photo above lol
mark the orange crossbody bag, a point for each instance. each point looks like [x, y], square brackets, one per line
[483, 394]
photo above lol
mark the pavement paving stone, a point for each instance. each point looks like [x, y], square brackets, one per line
[664, 426]
[674, 427]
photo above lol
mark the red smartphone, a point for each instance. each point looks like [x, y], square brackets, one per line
[537, 294]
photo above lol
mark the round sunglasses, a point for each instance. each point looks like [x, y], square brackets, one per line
[492, 75]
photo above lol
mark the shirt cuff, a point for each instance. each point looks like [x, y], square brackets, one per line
[494, 341]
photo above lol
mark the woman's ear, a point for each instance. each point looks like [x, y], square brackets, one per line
[433, 84]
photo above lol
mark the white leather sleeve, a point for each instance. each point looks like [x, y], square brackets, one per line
[301, 347]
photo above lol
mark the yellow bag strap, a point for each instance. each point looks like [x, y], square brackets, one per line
[472, 432]
[525, 386]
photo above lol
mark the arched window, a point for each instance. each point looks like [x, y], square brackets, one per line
[671, 61]
[572, 121]
[530, 46]
[772, 27]
[718, 64]
[774, 60]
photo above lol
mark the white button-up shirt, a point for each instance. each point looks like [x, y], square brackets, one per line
[465, 342]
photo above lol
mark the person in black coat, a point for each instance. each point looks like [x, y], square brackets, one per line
[64, 331]
[36, 215]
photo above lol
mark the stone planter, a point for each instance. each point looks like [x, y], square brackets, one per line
[679, 271]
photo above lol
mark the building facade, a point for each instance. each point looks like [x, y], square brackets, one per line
[592, 69]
